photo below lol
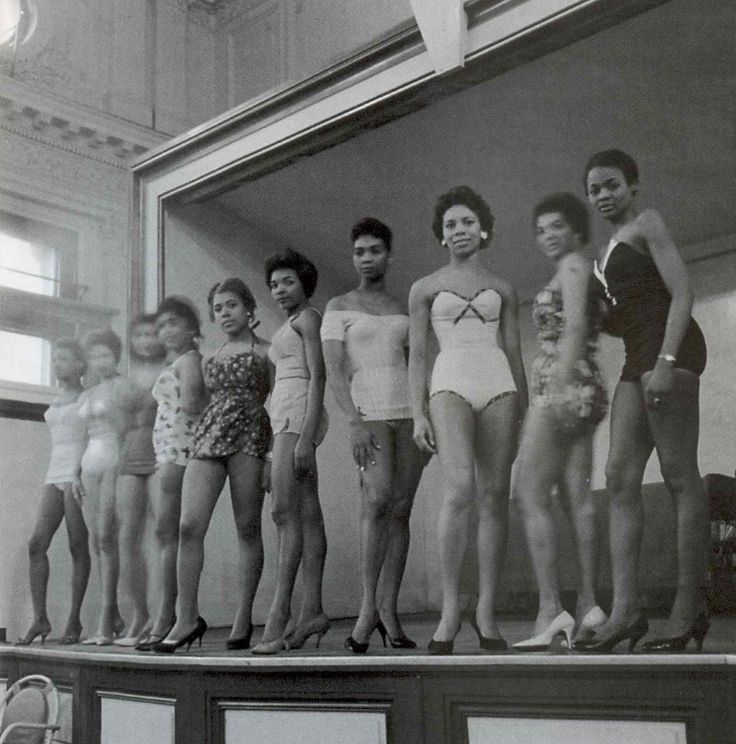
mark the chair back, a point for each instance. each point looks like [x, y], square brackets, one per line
[31, 700]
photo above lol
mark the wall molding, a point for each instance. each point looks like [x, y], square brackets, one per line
[76, 129]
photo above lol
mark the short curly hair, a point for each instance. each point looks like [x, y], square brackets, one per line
[467, 197]
[183, 308]
[612, 159]
[373, 227]
[75, 348]
[570, 207]
[305, 270]
[237, 287]
[104, 337]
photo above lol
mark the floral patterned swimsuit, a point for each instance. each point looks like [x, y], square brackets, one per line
[235, 419]
[585, 400]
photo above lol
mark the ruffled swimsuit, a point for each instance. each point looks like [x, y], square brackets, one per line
[470, 364]
[376, 349]
[235, 419]
[288, 405]
[173, 429]
[639, 303]
[68, 440]
[584, 402]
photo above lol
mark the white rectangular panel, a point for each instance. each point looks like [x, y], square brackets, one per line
[136, 721]
[489, 730]
[267, 726]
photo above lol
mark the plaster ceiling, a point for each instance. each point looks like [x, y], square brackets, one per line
[660, 86]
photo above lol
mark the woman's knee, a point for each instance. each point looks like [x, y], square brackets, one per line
[623, 479]
[249, 530]
[377, 499]
[107, 539]
[283, 512]
[678, 476]
[459, 493]
[38, 545]
[190, 532]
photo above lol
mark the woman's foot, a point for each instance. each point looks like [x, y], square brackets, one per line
[41, 627]
[317, 625]
[72, 633]
[132, 635]
[363, 628]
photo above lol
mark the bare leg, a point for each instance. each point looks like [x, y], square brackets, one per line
[314, 550]
[203, 482]
[576, 484]
[286, 512]
[375, 513]
[538, 469]
[79, 548]
[107, 532]
[631, 445]
[454, 428]
[496, 434]
[246, 490]
[408, 466]
[168, 513]
[675, 427]
[50, 514]
[131, 505]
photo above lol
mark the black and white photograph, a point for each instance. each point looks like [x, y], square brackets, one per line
[368, 371]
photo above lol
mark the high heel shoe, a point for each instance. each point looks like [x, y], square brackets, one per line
[443, 648]
[238, 644]
[147, 643]
[132, 641]
[168, 647]
[564, 623]
[31, 635]
[486, 643]
[269, 648]
[633, 632]
[401, 640]
[316, 626]
[69, 639]
[593, 620]
[678, 644]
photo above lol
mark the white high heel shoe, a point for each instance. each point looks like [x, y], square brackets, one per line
[563, 623]
[593, 620]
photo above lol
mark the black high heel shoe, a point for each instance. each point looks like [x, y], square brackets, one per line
[488, 644]
[401, 641]
[633, 632]
[164, 647]
[356, 646]
[443, 648]
[147, 643]
[678, 644]
[238, 644]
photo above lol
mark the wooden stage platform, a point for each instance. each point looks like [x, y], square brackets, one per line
[330, 696]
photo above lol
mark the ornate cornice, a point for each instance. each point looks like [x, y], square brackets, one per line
[76, 129]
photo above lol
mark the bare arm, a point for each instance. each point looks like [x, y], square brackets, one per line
[307, 326]
[418, 333]
[672, 270]
[511, 343]
[574, 274]
[189, 369]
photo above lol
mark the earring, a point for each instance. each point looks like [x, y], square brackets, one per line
[483, 235]
[443, 242]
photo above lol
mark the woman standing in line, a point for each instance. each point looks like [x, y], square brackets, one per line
[364, 338]
[568, 401]
[299, 423]
[62, 496]
[470, 414]
[231, 441]
[656, 404]
[179, 395]
[137, 466]
[101, 407]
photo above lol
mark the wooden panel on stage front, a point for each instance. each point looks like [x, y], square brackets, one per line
[132, 719]
[265, 724]
[493, 730]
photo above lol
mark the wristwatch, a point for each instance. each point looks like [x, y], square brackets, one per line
[668, 358]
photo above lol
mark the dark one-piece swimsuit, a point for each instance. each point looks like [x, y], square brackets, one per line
[638, 302]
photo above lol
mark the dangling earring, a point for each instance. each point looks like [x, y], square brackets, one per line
[483, 235]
